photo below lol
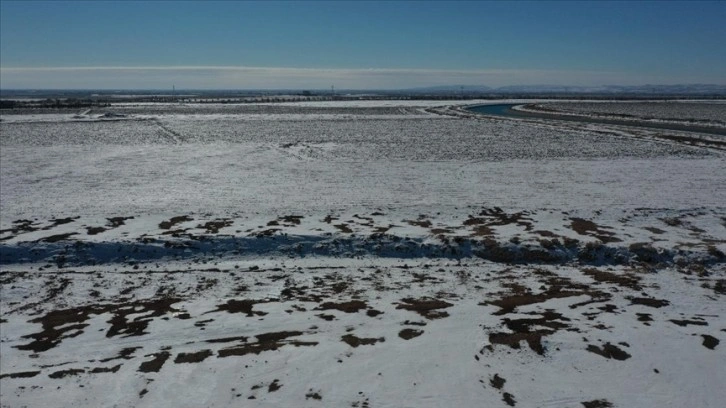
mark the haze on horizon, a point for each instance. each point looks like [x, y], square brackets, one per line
[358, 45]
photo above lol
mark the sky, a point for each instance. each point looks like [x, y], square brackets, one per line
[358, 44]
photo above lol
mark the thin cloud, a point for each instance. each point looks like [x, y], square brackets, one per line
[236, 77]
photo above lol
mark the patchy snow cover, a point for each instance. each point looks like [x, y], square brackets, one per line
[431, 260]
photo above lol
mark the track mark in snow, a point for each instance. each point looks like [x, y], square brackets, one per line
[175, 137]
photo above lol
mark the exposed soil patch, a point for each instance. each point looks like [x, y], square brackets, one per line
[509, 399]
[115, 222]
[113, 369]
[213, 227]
[22, 374]
[352, 306]
[95, 230]
[343, 228]
[419, 223]
[228, 339]
[125, 354]
[709, 341]
[601, 403]
[497, 382]
[21, 226]
[155, 364]
[291, 219]
[57, 237]
[558, 288]
[650, 302]
[174, 220]
[66, 373]
[242, 306]
[274, 386]
[523, 330]
[426, 307]
[408, 334]
[684, 323]
[355, 341]
[720, 287]
[60, 324]
[277, 336]
[586, 227]
[197, 357]
[609, 351]
[628, 281]
[314, 395]
[645, 318]
[266, 342]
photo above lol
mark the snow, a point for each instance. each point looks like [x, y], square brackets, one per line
[387, 253]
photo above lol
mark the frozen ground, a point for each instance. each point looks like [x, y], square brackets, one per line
[368, 254]
[701, 113]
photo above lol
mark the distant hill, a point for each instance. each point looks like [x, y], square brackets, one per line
[680, 89]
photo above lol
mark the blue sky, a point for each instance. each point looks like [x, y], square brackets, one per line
[356, 44]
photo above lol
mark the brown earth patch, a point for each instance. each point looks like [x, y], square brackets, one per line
[66, 323]
[241, 306]
[66, 373]
[173, 221]
[266, 342]
[343, 228]
[115, 222]
[355, 341]
[408, 334]
[509, 399]
[22, 374]
[684, 323]
[196, 357]
[497, 382]
[291, 219]
[155, 364]
[587, 227]
[57, 237]
[522, 330]
[650, 302]
[609, 351]
[126, 353]
[352, 306]
[419, 223]
[277, 336]
[105, 369]
[274, 386]
[709, 341]
[426, 307]
[95, 230]
[559, 288]
[314, 395]
[720, 287]
[645, 318]
[601, 403]
[228, 339]
[213, 227]
[373, 312]
[625, 280]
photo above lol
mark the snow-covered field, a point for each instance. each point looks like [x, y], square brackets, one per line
[702, 113]
[360, 254]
